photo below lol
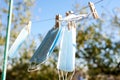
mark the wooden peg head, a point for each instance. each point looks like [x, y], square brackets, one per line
[93, 10]
[67, 13]
[57, 22]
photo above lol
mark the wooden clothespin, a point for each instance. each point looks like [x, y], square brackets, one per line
[93, 10]
[57, 22]
[67, 14]
[70, 23]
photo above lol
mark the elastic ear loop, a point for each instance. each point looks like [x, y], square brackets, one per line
[33, 67]
[62, 75]
[59, 75]
[72, 75]
[66, 75]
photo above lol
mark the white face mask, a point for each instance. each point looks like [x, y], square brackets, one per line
[20, 39]
[66, 59]
[46, 47]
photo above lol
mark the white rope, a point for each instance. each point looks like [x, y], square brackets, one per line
[74, 17]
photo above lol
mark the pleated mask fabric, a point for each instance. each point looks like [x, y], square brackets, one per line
[19, 40]
[57, 39]
[46, 47]
[66, 59]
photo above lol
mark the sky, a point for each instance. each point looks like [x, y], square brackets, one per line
[47, 9]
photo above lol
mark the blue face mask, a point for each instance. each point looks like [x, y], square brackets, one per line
[46, 47]
[18, 42]
[66, 59]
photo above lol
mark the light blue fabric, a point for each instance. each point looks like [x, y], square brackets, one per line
[46, 47]
[55, 41]
[18, 42]
[66, 59]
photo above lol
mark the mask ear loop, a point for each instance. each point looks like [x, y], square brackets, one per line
[59, 74]
[33, 67]
[72, 75]
[66, 75]
[62, 75]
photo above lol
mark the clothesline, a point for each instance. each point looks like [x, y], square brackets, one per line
[49, 19]
[77, 17]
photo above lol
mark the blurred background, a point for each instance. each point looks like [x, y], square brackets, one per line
[98, 41]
